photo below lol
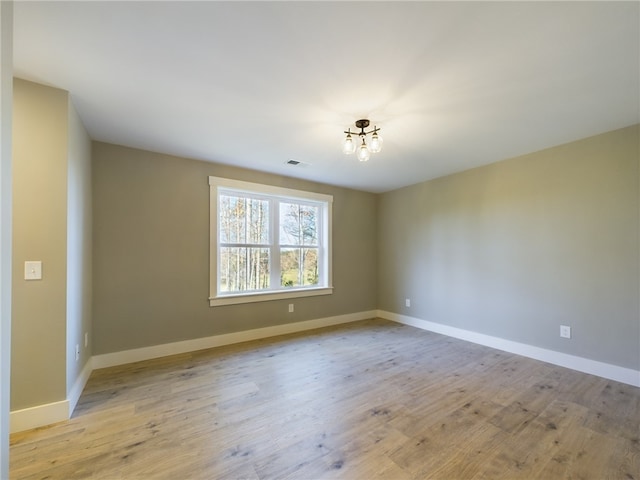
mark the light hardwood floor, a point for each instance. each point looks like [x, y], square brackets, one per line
[368, 400]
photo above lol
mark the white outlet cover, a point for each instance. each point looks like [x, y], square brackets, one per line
[565, 331]
[33, 270]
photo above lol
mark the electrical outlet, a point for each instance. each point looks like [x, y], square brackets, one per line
[77, 352]
[565, 331]
[407, 302]
[291, 308]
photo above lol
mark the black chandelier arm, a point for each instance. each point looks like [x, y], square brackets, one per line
[362, 133]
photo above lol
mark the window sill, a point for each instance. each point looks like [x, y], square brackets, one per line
[268, 296]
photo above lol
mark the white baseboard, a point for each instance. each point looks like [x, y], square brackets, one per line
[156, 351]
[585, 365]
[75, 392]
[38, 416]
[42, 415]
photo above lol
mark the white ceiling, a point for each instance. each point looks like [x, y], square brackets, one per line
[453, 85]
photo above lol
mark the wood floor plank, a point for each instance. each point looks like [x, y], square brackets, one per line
[367, 400]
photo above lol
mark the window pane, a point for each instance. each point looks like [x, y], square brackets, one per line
[243, 220]
[289, 267]
[258, 221]
[232, 269]
[243, 269]
[232, 214]
[298, 224]
[299, 267]
[310, 266]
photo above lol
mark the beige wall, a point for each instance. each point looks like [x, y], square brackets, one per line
[151, 252]
[518, 247]
[51, 223]
[38, 374]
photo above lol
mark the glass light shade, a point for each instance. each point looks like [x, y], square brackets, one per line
[348, 146]
[375, 145]
[363, 152]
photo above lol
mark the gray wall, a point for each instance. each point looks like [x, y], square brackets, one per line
[151, 252]
[518, 247]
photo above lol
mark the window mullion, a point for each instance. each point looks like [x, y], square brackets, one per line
[274, 251]
[321, 244]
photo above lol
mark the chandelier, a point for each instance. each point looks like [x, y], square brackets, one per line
[364, 150]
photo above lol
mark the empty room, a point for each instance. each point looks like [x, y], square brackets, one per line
[319, 240]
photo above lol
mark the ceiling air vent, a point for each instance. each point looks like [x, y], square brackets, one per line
[296, 163]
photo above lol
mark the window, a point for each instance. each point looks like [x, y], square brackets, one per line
[267, 242]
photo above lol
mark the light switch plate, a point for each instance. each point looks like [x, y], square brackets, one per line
[33, 270]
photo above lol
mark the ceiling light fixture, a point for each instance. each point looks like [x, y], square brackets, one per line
[364, 150]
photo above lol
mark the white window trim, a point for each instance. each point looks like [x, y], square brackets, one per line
[249, 297]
